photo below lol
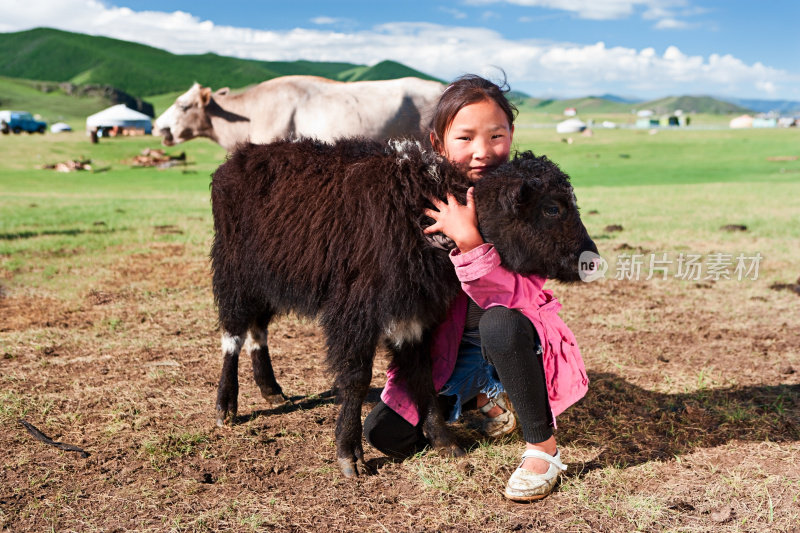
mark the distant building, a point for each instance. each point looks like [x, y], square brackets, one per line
[674, 120]
[765, 122]
[664, 121]
[570, 112]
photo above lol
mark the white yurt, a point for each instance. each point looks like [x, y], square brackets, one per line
[571, 125]
[744, 121]
[120, 120]
[60, 127]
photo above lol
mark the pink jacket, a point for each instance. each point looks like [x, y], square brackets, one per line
[489, 284]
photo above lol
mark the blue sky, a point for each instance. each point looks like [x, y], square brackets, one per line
[636, 48]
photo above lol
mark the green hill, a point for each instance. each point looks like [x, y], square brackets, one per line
[55, 55]
[593, 105]
[692, 104]
[385, 70]
[590, 104]
[52, 105]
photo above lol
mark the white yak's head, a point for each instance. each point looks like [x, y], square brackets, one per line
[188, 117]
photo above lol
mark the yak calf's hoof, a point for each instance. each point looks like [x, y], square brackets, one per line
[451, 450]
[225, 414]
[352, 468]
[274, 400]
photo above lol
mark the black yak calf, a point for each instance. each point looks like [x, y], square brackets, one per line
[335, 231]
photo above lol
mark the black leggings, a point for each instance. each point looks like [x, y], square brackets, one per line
[510, 343]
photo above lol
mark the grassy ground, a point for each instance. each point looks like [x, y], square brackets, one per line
[108, 341]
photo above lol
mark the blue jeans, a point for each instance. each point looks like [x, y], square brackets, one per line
[472, 375]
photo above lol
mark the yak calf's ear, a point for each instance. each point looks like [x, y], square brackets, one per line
[516, 195]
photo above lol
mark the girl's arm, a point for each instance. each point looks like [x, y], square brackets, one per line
[490, 284]
[477, 263]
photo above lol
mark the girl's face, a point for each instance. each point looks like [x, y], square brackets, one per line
[478, 139]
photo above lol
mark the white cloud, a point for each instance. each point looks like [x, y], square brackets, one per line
[665, 11]
[767, 87]
[443, 51]
[455, 13]
[324, 20]
[671, 24]
[596, 9]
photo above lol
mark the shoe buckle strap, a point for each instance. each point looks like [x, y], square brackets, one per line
[488, 406]
[554, 460]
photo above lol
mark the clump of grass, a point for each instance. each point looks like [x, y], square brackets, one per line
[14, 406]
[172, 446]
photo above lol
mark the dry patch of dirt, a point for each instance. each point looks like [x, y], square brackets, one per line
[692, 421]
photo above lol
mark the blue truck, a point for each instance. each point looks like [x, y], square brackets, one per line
[19, 121]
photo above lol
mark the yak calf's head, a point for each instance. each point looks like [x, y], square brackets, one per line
[527, 209]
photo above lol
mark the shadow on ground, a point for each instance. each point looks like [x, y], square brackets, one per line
[49, 233]
[632, 425]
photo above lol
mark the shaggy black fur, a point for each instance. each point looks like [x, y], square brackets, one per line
[334, 231]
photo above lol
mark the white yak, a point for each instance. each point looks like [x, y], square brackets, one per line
[302, 106]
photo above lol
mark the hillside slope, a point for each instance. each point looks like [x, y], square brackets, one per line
[692, 104]
[55, 55]
[52, 105]
[601, 105]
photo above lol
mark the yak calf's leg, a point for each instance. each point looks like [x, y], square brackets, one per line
[414, 364]
[352, 384]
[435, 430]
[228, 390]
[262, 367]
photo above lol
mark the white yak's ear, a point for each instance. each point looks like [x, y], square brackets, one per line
[205, 95]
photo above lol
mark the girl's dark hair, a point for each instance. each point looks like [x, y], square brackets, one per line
[466, 90]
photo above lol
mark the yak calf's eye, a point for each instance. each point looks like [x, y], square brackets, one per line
[551, 211]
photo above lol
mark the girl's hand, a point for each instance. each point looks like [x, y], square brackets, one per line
[459, 222]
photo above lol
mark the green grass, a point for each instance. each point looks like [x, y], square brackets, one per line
[73, 220]
[624, 157]
[172, 445]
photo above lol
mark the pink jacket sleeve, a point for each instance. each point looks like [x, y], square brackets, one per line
[490, 284]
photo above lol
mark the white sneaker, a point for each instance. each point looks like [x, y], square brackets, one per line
[526, 486]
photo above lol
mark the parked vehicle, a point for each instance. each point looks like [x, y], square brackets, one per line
[19, 121]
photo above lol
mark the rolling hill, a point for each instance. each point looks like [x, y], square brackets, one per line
[51, 105]
[589, 104]
[692, 104]
[594, 105]
[54, 55]
[789, 107]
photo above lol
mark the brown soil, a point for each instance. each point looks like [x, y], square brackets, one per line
[692, 422]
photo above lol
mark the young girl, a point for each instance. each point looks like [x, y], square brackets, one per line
[495, 326]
